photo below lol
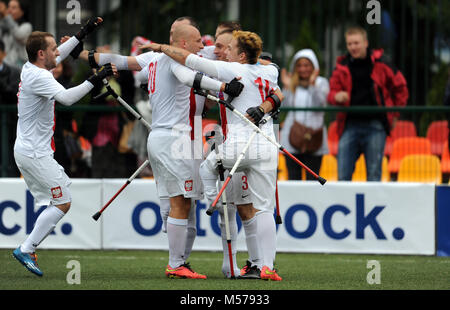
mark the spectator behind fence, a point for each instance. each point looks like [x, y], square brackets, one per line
[14, 31]
[105, 130]
[363, 77]
[68, 152]
[9, 84]
[303, 133]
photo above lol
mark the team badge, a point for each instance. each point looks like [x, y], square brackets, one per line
[188, 185]
[56, 192]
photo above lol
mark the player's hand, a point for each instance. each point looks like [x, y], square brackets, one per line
[89, 27]
[234, 87]
[105, 71]
[255, 114]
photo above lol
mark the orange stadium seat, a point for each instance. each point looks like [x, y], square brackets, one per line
[402, 129]
[360, 172]
[445, 160]
[328, 168]
[437, 133]
[282, 168]
[407, 146]
[333, 138]
[420, 168]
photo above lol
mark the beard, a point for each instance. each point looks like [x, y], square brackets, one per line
[50, 64]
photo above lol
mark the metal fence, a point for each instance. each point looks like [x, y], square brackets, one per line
[428, 124]
[413, 33]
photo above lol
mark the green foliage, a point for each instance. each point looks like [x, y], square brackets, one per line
[306, 39]
[435, 97]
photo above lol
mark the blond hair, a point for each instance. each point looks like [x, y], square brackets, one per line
[250, 44]
[356, 30]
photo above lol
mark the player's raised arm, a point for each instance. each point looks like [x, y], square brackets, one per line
[72, 95]
[185, 58]
[74, 45]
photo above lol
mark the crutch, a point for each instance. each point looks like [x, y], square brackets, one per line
[111, 92]
[278, 219]
[224, 204]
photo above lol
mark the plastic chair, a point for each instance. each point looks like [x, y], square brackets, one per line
[420, 168]
[333, 138]
[282, 168]
[360, 172]
[407, 146]
[328, 168]
[402, 129]
[385, 175]
[437, 133]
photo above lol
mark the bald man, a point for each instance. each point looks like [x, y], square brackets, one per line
[168, 144]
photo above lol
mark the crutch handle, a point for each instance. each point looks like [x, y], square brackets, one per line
[101, 96]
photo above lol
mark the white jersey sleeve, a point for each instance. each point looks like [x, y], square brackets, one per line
[187, 76]
[145, 59]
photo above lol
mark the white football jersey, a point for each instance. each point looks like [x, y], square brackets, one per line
[168, 96]
[259, 80]
[36, 111]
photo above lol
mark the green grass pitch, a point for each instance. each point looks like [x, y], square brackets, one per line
[144, 270]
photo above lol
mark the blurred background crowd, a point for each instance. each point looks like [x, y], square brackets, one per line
[99, 139]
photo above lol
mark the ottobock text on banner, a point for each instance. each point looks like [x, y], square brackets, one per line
[339, 217]
[335, 218]
[133, 220]
[349, 217]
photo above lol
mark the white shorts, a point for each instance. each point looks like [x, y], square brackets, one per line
[45, 178]
[259, 173]
[238, 190]
[172, 164]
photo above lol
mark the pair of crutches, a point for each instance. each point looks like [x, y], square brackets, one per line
[221, 170]
[110, 91]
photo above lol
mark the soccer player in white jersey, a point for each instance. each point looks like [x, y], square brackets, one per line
[169, 143]
[34, 146]
[260, 163]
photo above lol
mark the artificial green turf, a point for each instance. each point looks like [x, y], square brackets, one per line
[144, 270]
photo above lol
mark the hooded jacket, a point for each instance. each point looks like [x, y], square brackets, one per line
[390, 87]
[313, 96]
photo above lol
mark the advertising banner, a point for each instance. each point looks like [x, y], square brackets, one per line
[76, 230]
[339, 217]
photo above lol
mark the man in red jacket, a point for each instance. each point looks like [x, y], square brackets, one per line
[364, 78]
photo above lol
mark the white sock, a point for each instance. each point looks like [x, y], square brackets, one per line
[267, 233]
[164, 208]
[233, 236]
[251, 239]
[191, 230]
[176, 233]
[44, 225]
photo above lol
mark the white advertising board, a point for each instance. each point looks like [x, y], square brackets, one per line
[339, 217]
[76, 230]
